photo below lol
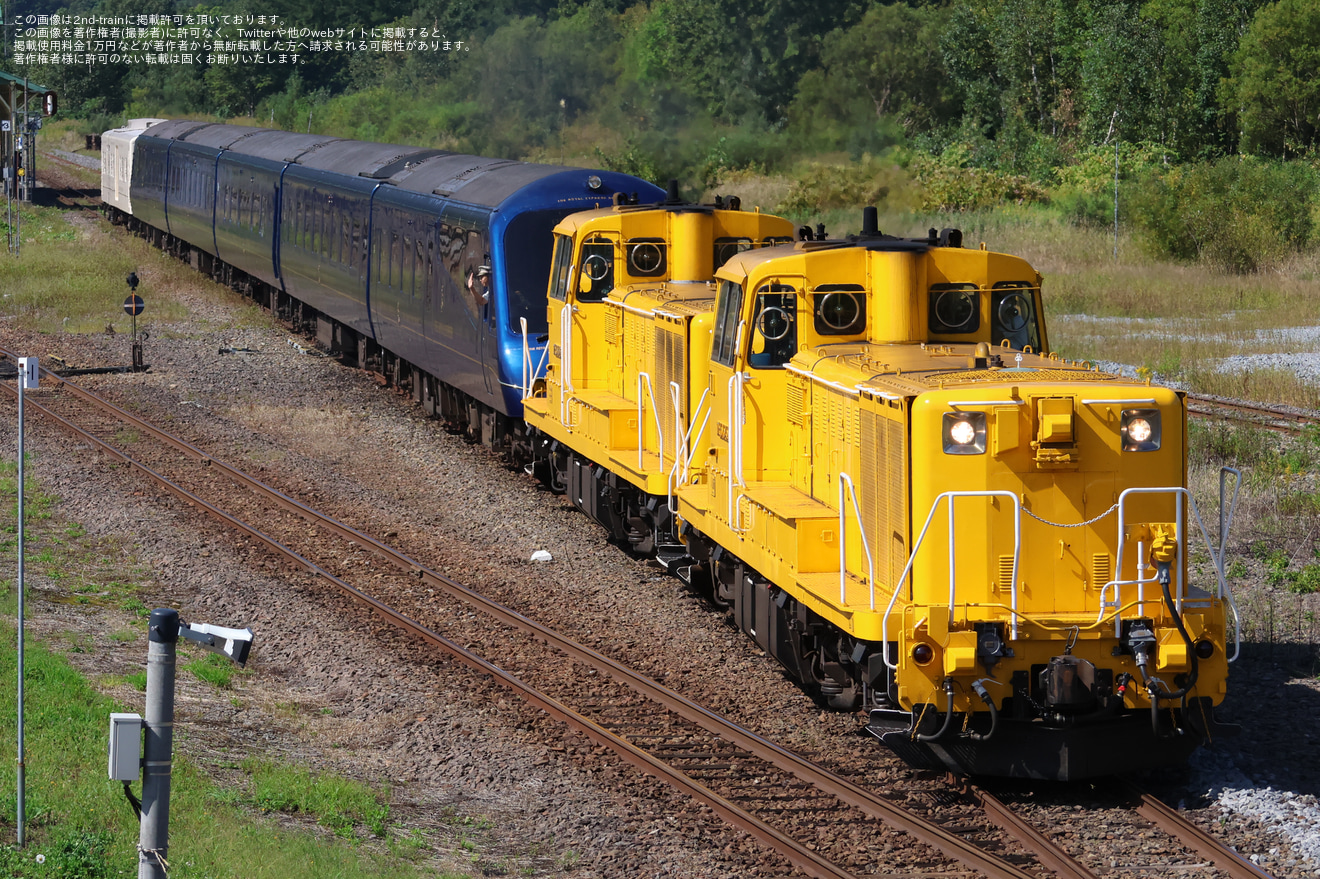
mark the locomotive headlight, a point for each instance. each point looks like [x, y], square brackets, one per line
[1140, 429]
[964, 433]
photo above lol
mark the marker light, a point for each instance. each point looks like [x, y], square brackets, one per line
[593, 183]
[1140, 429]
[964, 433]
[922, 654]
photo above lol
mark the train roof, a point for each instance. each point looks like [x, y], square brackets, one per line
[410, 168]
[468, 178]
[265, 143]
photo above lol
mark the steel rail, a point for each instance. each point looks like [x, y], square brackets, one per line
[1168, 820]
[801, 857]
[1046, 850]
[1245, 412]
[951, 845]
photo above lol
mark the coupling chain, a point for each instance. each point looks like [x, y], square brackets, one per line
[1074, 524]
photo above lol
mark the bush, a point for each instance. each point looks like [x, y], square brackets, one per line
[1240, 214]
[950, 183]
[826, 187]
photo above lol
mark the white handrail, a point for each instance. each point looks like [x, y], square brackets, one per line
[1184, 497]
[845, 479]
[735, 414]
[686, 463]
[655, 413]
[680, 435]
[565, 364]
[530, 373]
[907, 569]
[527, 355]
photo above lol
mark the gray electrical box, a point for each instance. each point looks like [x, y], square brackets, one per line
[125, 746]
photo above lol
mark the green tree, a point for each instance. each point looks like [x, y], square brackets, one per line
[879, 79]
[1274, 87]
[1220, 25]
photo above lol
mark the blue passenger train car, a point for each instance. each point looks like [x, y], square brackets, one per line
[435, 261]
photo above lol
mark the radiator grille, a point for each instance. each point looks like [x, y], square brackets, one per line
[883, 491]
[670, 366]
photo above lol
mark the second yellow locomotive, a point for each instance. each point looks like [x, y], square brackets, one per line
[865, 450]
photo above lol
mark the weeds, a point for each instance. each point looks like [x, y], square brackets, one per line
[336, 803]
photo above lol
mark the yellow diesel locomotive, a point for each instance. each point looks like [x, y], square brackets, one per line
[866, 452]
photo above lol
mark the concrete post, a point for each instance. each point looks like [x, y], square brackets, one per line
[153, 840]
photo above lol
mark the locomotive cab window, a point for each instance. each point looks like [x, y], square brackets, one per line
[839, 309]
[728, 310]
[1013, 315]
[774, 327]
[560, 268]
[597, 276]
[954, 308]
[727, 248]
[647, 257]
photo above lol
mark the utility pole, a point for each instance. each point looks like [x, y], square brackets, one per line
[27, 378]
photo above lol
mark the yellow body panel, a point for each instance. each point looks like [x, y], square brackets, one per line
[629, 317]
[862, 413]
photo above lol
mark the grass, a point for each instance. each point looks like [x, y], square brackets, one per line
[1274, 547]
[340, 804]
[213, 669]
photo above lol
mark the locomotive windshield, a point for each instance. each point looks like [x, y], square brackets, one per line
[531, 237]
[1013, 315]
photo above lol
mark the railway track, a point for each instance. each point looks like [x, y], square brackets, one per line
[1289, 420]
[819, 822]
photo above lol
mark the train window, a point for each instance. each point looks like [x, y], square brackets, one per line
[954, 308]
[419, 265]
[356, 253]
[774, 326]
[728, 310]
[597, 267]
[839, 309]
[561, 267]
[376, 255]
[647, 257]
[315, 211]
[727, 248]
[406, 265]
[1013, 315]
[394, 277]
